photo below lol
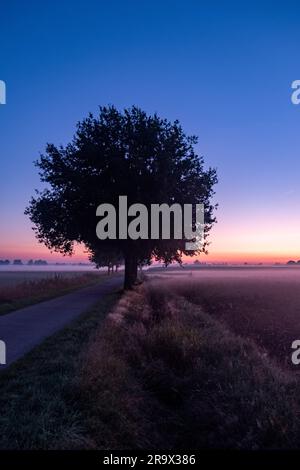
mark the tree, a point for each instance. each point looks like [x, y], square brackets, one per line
[146, 158]
[109, 259]
[4, 261]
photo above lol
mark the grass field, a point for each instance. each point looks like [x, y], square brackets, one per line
[19, 289]
[258, 303]
[187, 360]
[12, 278]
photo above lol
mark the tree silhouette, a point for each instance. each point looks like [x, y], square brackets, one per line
[146, 158]
[110, 259]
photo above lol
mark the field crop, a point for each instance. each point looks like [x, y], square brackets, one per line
[186, 360]
[261, 304]
[41, 286]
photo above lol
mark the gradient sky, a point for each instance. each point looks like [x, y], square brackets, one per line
[224, 70]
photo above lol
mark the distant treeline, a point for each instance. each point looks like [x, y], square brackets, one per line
[37, 262]
[18, 262]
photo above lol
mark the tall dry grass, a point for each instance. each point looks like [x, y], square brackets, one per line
[161, 373]
[267, 310]
[32, 291]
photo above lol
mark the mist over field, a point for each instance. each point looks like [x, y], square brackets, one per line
[194, 357]
[261, 303]
[13, 275]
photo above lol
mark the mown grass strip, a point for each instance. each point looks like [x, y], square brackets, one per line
[38, 397]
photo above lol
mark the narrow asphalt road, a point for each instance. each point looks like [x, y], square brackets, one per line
[25, 328]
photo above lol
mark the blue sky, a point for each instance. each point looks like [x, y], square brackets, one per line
[223, 69]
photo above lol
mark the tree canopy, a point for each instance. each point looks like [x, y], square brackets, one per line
[147, 158]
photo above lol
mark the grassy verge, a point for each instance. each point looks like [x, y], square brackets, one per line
[162, 374]
[33, 292]
[38, 399]
[157, 373]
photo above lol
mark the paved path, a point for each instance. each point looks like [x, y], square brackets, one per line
[25, 328]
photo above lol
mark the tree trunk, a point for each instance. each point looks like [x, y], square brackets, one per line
[130, 271]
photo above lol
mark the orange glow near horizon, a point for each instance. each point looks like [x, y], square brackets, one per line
[232, 240]
[40, 252]
[37, 251]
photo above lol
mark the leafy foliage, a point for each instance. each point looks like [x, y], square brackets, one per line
[146, 158]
